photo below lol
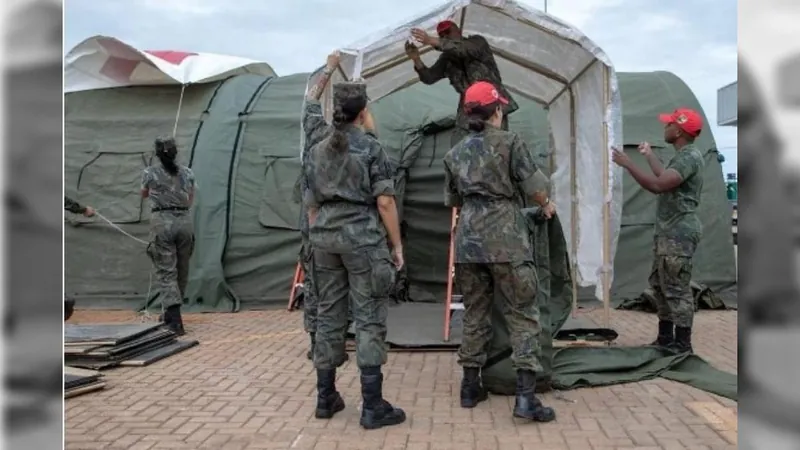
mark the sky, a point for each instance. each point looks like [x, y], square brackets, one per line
[694, 39]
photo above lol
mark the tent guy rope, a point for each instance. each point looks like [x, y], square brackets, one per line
[146, 316]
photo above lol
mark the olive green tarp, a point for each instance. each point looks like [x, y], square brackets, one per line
[241, 137]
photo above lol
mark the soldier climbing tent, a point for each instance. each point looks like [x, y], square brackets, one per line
[241, 135]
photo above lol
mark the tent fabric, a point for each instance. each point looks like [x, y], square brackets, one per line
[102, 62]
[576, 367]
[551, 63]
[108, 141]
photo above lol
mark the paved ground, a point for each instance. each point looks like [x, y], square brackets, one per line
[249, 386]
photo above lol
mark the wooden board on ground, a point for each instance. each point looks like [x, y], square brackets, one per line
[78, 372]
[96, 386]
[105, 334]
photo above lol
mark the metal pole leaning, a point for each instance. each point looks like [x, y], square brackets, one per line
[451, 259]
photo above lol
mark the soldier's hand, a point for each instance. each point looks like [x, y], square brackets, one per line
[620, 158]
[421, 36]
[397, 254]
[88, 212]
[412, 51]
[549, 210]
[369, 122]
[644, 149]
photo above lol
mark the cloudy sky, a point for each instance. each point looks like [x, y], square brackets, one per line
[695, 39]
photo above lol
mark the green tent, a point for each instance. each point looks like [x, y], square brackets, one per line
[241, 137]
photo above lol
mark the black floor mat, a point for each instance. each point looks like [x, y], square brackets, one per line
[420, 326]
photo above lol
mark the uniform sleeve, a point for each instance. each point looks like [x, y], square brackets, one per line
[529, 179]
[473, 47]
[304, 184]
[314, 126]
[434, 73]
[381, 175]
[452, 199]
[686, 164]
[73, 206]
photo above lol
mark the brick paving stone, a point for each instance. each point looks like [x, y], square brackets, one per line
[248, 386]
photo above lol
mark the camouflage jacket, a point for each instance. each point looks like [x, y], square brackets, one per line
[465, 61]
[167, 191]
[73, 206]
[678, 229]
[486, 175]
[344, 188]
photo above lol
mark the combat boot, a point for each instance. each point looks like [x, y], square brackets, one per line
[329, 401]
[310, 354]
[683, 340]
[527, 406]
[173, 320]
[472, 391]
[375, 411]
[666, 334]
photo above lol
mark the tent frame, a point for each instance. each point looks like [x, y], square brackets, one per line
[567, 88]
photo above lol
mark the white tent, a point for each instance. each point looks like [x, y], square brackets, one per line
[103, 62]
[553, 63]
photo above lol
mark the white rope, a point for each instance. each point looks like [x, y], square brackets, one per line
[146, 316]
[178, 114]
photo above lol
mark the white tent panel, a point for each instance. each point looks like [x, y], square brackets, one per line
[102, 62]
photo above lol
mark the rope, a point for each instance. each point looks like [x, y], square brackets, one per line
[178, 114]
[146, 316]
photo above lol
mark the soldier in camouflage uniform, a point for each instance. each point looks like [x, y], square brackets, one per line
[464, 61]
[310, 120]
[349, 193]
[170, 188]
[678, 229]
[76, 208]
[485, 175]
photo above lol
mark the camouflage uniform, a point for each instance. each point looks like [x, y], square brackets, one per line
[171, 230]
[316, 131]
[351, 259]
[464, 61]
[484, 176]
[677, 232]
[73, 206]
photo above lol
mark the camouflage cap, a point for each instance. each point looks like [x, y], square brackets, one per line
[351, 96]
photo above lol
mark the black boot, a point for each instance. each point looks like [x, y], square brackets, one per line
[527, 406]
[173, 320]
[310, 354]
[472, 391]
[666, 334]
[329, 402]
[683, 340]
[375, 411]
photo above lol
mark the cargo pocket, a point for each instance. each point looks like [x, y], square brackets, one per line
[383, 274]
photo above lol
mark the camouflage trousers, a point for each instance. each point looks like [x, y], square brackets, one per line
[363, 280]
[516, 286]
[310, 294]
[170, 249]
[461, 131]
[670, 279]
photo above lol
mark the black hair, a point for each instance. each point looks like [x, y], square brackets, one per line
[344, 114]
[167, 151]
[477, 115]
